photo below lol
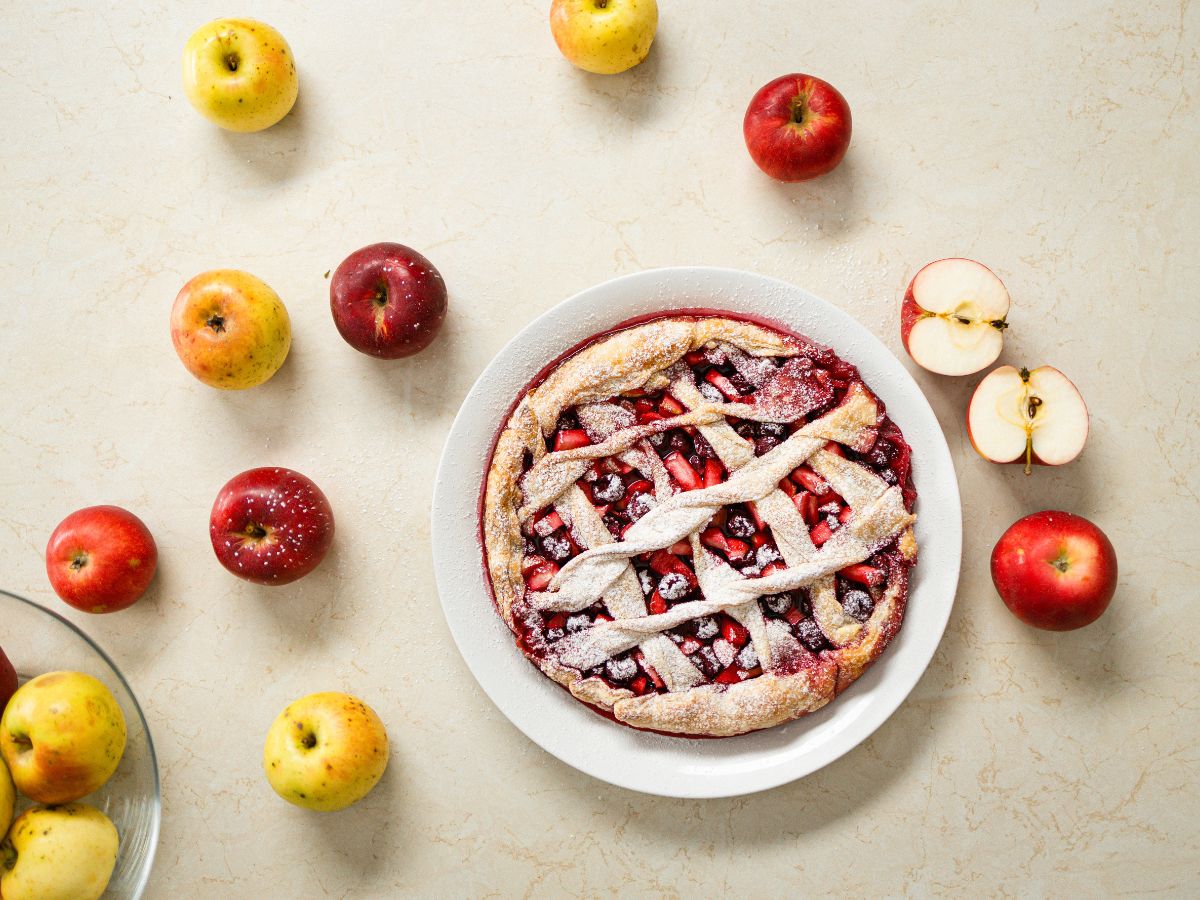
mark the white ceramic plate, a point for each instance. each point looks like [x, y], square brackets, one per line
[655, 764]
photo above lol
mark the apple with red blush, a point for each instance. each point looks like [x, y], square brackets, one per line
[101, 559]
[1055, 570]
[271, 525]
[388, 300]
[797, 127]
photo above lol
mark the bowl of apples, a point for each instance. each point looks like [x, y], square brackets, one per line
[80, 805]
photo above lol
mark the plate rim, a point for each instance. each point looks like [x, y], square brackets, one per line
[447, 566]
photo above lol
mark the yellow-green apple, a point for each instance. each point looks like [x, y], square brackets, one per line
[604, 36]
[58, 853]
[8, 798]
[8, 679]
[953, 317]
[325, 752]
[62, 736]
[1055, 570]
[230, 329]
[101, 559]
[387, 300]
[240, 74]
[797, 127]
[1036, 417]
[271, 525]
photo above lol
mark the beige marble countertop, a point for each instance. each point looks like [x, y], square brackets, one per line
[1058, 145]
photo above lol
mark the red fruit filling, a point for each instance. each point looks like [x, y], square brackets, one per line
[719, 646]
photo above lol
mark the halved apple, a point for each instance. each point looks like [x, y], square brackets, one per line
[1037, 416]
[952, 320]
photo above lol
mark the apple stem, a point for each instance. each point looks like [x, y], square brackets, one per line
[381, 295]
[1029, 456]
[798, 111]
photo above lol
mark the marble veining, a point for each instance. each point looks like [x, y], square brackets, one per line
[1055, 142]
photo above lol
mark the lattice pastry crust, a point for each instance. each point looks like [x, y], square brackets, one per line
[525, 477]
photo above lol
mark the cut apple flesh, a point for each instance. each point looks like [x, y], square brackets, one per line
[959, 316]
[1037, 416]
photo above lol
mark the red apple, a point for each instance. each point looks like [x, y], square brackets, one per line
[8, 683]
[1055, 570]
[101, 559]
[797, 127]
[387, 300]
[271, 526]
[953, 316]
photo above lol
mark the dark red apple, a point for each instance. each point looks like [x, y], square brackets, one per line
[271, 525]
[101, 559]
[1055, 570]
[387, 300]
[797, 127]
[8, 679]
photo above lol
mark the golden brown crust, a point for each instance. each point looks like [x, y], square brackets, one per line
[853, 659]
[596, 692]
[502, 500]
[628, 361]
[718, 710]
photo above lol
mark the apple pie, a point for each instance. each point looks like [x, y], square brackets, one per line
[700, 525]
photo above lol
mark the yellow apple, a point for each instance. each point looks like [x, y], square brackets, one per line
[325, 752]
[62, 736]
[230, 329]
[604, 36]
[8, 798]
[58, 853]
[240, 74]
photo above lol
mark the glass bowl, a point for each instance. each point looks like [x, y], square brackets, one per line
[37, 640]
